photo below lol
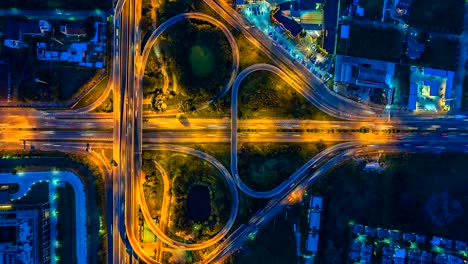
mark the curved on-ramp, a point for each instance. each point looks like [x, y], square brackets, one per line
[199, 16]
[234, 109]
[232, 188]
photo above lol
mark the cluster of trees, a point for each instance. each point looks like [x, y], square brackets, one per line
[146, 22]
[65, 4]
[372, 42]
[192, 88]
[264, 94]
[188, 171]
[441, 16]
[263, 166]
[152, 187]
[441, 53]
[397, 196]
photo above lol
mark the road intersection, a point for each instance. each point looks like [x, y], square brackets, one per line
[130, 136]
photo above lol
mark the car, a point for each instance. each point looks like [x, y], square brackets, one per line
[280, 42]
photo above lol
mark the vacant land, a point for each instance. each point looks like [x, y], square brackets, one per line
[420, 193]
[46, 81]
[372, 42]
[434, 15]
[263, 166]
[265, 95]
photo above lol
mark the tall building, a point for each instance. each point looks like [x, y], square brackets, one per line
[25, 234]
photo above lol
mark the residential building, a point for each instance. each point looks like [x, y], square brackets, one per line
[402, 7]
[73, 30]
[395, 235]
[460, 245]
[382, 233]
[399, 256]
[408, 236]
[370, 231]
[414, 48]
[16, 31]
[357, 229]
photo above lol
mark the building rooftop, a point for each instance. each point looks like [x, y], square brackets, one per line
[316, 202]
[314, 220]
[288, 24]
[312, 242]
[344, 33]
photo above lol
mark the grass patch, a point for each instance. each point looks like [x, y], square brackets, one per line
[108, 105]
[265, 95]
[248, 53]
[442, 16]
[93, 94]
[38, 193]
[399, 197]
[66, 224]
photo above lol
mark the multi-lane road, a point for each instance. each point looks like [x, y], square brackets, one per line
[125, 132]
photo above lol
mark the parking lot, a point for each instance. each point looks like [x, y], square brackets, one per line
[300, 49]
